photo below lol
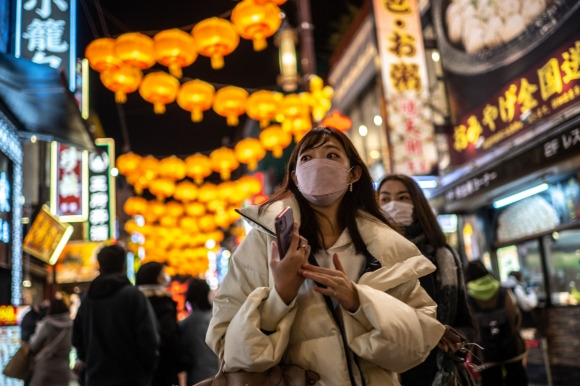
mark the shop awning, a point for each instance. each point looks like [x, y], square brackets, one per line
[36, 97]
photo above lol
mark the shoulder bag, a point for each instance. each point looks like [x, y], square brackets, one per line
[279, 375]
[21, 364]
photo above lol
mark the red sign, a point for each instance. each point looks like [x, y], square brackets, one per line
[543, 91]
[68, 185]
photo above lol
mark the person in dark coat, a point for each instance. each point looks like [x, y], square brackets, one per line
[203, 362]
[403, 200]
[115, 331]
[152, 280]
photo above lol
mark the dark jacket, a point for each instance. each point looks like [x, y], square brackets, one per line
[203, 362]
[115, 334]
[171, 359]
[446, 287]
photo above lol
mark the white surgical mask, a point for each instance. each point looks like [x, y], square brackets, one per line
[401, 212]
[321, 181]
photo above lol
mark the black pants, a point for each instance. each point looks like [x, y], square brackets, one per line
[515, 375]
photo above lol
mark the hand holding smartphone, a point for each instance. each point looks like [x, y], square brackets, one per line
[283, 224]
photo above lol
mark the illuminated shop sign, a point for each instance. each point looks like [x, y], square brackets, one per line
[404, 73]
[8, 315]
[45, 34]
[541, 92]
[5, 210]
[46, 237]
[101, 192]
[68, 188]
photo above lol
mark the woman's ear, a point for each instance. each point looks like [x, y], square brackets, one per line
[355, 173]
[293, 175]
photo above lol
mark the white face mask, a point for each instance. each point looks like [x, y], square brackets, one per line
[322, 181]
[400, 212]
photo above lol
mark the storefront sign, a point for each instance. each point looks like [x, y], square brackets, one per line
[404, 73]
[78, 262]
[11, 148]
[5, 210]
[101, 192]
[46, 237]
[8, 315]
[543, 91]
[46, 34]
[69, 183]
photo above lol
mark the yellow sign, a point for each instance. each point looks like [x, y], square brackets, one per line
[47, 236]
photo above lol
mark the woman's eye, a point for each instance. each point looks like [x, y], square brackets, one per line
[304, 158]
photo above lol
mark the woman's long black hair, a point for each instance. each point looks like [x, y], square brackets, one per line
[362, 197]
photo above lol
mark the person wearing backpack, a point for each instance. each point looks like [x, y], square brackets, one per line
[499, 319]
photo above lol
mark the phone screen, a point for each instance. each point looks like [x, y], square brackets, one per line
[283, 225]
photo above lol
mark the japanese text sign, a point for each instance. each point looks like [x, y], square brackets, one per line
[69, 182]
[404, 73]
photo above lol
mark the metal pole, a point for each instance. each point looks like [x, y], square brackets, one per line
[305, 28]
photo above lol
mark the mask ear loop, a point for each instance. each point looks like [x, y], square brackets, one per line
[350, 183]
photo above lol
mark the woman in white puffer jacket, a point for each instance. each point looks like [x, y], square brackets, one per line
[270, 310]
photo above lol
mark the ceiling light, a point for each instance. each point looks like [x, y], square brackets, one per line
[363, 130]
[520, 196]
[378, 120]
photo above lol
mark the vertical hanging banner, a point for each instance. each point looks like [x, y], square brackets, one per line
[68, 187]
[46, 34]
[101, 191]
[406, 87]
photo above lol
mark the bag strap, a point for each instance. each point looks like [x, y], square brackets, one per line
[51, 345]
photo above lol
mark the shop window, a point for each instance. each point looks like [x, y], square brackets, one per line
[526, 258]
[564, 266]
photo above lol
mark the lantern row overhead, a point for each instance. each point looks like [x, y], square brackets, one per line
[121, 62]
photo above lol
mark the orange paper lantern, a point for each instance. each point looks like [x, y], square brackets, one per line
[215, 37]
[263, 105]
[172, 167]
[185, 191]
[249, 151]
[198, 166]
[174, 209]
[160, 89]
[135, 49]
[230, 102]
[127, 163]
[223, 161]
[256, 22]
[162, 188]
[195, 96]
[135, 205]
[275, 140]
[148, 167]
[174, 49]
[207, 192]
[101, 55]
[195, 209]
[122, 81]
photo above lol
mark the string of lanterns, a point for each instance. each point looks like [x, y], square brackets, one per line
[177, 225]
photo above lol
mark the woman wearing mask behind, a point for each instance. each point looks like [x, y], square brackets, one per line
[152, 280]
[367, 319]
[403, 200]
[52, 342]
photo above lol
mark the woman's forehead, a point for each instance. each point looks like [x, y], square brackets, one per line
[324, 143]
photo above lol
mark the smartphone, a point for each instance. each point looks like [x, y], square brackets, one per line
[283, 224]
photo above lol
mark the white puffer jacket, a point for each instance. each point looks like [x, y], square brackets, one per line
[394, 329]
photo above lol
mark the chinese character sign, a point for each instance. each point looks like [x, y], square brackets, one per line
[46, 237]
[46, 33]
[550, 87]
[101, 189]
[404, 73]
[68, 185]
